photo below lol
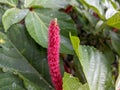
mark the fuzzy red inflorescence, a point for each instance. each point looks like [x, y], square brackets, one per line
[53, 54]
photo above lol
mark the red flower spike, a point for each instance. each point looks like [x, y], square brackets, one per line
[53, 54]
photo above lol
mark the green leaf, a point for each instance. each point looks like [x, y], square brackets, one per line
[95, 5]
[72, 83]
[12, 60]
[114, 21]
[35, 54]
[65, 22]
[10, 81]
[96, 67]
[49, 3]
[12, 3]
[115, 40]
[75, 42]
[38, 29]
[12, 16]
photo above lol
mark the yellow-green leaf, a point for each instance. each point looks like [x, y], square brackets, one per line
[75, 43]
[72, 83]
[114, 21]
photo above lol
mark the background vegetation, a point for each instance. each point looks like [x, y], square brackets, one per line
[90, 44]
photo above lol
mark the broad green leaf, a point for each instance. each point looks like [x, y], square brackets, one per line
[49, 3]
[35, 54]
[114, 21]
[12, 3]
[115, 40]
[10, 81]
[96, 68]
[12, 60]
[38, 29]
[65, 22]
[72, 83]
[95, 5]
[12, 16]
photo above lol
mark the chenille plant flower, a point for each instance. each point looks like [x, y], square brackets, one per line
[53, 54]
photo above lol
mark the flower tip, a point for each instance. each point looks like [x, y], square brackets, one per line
[55, 20]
